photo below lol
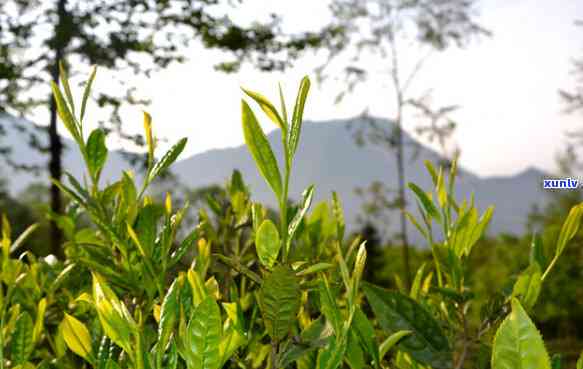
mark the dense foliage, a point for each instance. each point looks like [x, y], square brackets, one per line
[247, 288]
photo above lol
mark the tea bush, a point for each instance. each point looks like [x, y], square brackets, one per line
[260, 291]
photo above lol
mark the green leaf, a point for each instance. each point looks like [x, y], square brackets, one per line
[96, 153]
[77, 337]
[307, 197]
[168, 158]
[568, 231]
[21, 341]
[580, 361]
[359, 264]
[146, 227]
[331, 357]
[40, 319]
[354, 356]
[417, 225]
[204, 335]
[518, 344]
[537, 253]
[391, 341]
[229, 344]
[280, 301]
[149, 137]
[416, 286]
[267, 243]
[528, 285]
[426, 202]
[65, 114]
[87, 91]
[432, 171]
[338, 215]
[65, 82]
[365, 331]
[298, 116]
[169, 314]
[314, 269]
[115, 319]
[282, 104]
[328, 305]
[260, 150]
[396, 312]
[268, 108]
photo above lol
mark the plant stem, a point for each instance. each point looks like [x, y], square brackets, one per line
[465, 340]
[273, 354]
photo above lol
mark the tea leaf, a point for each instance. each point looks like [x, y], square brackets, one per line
[168, 158]
[537, 253]
[260, 150]
[23, 237]
[115, 319]
[204, 335]
[229, 344]
[580, 361]
[328, 306]
[77, 337]
[298, 116]
[432, 171]
[40, 318]
[267, 243]
[149, 137]
[426, 202]
[365, 331]
[354, 356]
[527, 287]
[396, 312]
[391, 341]
[314, 269]
[87, 91]
[568, 231]
[416, 286]
[332, 356]
[280, 301]
[307, 197]
[21, 340]
[65, 82]
[518, 343]
[96, 153]
[169, 314]
[338, 215]
[268, 108]
[65, 114]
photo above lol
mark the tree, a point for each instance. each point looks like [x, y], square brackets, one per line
[385, 29]
[138, 36]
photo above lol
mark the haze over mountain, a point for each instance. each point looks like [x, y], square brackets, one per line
[329, 158]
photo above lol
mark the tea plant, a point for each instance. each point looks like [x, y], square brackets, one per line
[262, 289]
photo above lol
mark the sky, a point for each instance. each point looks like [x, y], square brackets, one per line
[510, 118]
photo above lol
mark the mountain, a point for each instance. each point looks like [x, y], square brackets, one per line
[330, 159]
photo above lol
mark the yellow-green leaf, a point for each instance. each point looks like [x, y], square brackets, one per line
[267, 243]
[40, 317]
[260, 149]
[298, 116]
[518, 344]
[268, 108]
[77, 337]
[149, 137]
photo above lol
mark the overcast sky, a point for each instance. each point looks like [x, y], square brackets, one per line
[511, 117]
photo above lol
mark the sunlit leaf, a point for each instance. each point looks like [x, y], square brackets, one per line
[77, 337]
[260, 149]
[267, 243]
[518, 344]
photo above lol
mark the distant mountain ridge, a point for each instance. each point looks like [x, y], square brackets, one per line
[330, 159]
